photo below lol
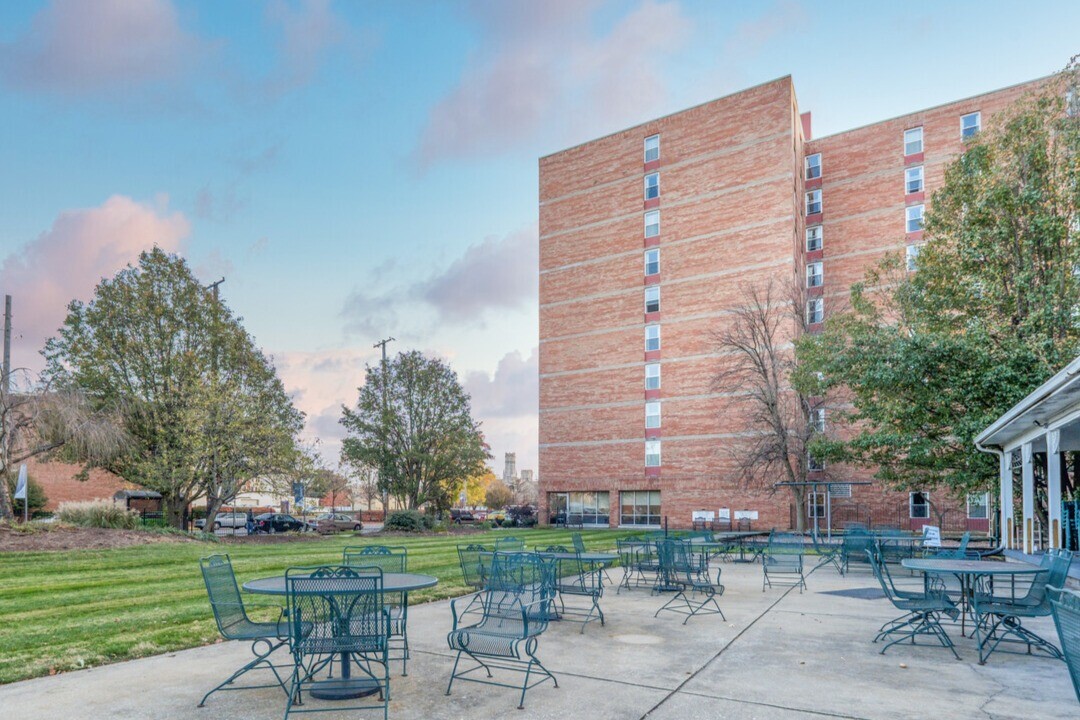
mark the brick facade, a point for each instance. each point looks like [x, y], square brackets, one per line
[732, 210]
[60, 483]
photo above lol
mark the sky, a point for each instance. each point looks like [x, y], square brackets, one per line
[362, 170]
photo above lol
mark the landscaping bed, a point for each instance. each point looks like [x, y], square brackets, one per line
[46, 537]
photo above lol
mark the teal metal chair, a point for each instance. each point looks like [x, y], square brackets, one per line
[516, 605]
[338, 613]
[233, 623]
[957, 553]
[1066, 610]
[509, 544]
[579, 544]
[684, 571]
[389, 559]
[828, 553]
[576, 578]
[922, 610]
[782, 561]
[857, 541]
[637, 556]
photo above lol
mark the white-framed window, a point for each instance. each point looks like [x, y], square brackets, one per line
[919, 505]
[652, 148]
[815, 504]
[978, 506]
[813, 464]
[913, 179]
[970, 124]
[652, 453]
[652, 337]
[813, 202]
[652, 223]
[652, 261]
[911, 255]
[652, 186]
[815, 310]
[913, 141]
[815, 275]
[813, 166]
[652, 376]
[652, 414]
[652, 299]
[913, 215]
[817, 419]
[814, 237]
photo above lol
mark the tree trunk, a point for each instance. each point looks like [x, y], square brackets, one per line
[7, 507]
[799, 493]
[212, 507]
[175, 509]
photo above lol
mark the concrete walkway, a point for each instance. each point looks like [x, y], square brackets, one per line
[780, 654]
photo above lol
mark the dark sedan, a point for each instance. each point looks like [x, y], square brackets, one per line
[277, 522]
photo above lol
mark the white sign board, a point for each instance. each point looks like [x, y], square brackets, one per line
[746, 515]
[725, 513]
[931, 536]
[706, 515]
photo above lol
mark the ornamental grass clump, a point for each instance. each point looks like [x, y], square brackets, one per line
[98, 514]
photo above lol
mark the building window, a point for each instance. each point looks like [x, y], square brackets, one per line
[978, 506]
[813, 166]
[815, 310]
[813, 464]
[817, 420]
[914, 215]
[652, 299]
[652, 376]
[652, 148]
[813, 238]
[652, 261]
[813, 202]
[652, 223]
[913, 179]
[912, 257]
[652, 186]
[919, 505]
[652, 453]
[970, 124]
[913, 141]
[579, 508]
[815, 505]
[652, 338]
[640, 507]
[815, 276]
[652, 414]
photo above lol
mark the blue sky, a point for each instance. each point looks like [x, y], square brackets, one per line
[363, 169]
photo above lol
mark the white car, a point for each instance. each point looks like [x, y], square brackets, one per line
[225, 519]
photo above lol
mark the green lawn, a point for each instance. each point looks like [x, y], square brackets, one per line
[73, 609]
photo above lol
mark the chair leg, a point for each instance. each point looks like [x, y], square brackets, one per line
[261, 658]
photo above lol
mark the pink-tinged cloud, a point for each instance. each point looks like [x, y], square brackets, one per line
[507, 402]
[541, 70]
[70, 259]
[81, 47]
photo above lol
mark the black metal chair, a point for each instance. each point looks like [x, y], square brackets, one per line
[389, 559]
[338, 613]
[686, 572]
[923, 610]
[516, 605]
[233, 623]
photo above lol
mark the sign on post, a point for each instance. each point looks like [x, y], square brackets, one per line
[931, 536]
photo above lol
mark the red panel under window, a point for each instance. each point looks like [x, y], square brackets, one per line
[913, 159]
[652, 165]
[814, 255]
[652, 355]
[652, 394]
[814, 328]
[652, 204]
[978, 525]
[914, 198]
[652, 317]
[652, 241]
[813, 184]
[653, 279]
[816, 291]
[652, 472]
[915, 236]
[814, 219]
[652, 433]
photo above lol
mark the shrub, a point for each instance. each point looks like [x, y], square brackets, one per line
[407, 521]
[98, 514]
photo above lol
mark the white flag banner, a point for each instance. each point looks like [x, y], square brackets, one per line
[20, 486]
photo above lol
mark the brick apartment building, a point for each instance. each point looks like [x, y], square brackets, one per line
[647, 239]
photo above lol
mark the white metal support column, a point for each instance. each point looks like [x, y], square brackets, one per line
[1053, 486]
[1006, 482]
[1027, 488]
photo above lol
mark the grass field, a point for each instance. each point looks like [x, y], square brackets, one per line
[67, 610]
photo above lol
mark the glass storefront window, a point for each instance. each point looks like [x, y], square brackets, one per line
[584, 508]
[639, 507]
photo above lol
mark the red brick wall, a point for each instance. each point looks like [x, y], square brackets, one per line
[60, 484]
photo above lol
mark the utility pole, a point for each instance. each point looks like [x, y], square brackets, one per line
[7, 345]
[382, 470]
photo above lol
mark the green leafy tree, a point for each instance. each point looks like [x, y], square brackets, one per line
[203, 406]
[497, 495]
[425, 442]
[927, 359]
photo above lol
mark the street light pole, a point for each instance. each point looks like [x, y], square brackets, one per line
[382, 470]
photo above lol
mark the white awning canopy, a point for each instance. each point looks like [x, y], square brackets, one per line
[1054, 405]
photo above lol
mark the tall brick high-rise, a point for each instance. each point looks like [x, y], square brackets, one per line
[648, 238]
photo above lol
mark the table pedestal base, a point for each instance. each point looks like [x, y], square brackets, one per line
[343, 688]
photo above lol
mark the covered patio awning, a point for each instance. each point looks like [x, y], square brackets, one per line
[1046, 421]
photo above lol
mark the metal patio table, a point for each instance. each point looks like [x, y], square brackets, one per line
[347, 687]
[968, 573]
[718, 544]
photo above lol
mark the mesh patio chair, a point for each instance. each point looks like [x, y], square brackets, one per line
[631, 550]
[684, 572]
[233, 623]
[923, 610]
[782, 562]
[1066, 610]
[509, 544]
[516, 606]
[999, 616]
[576, 578]
[828, 553]
[579, 544]
[956, 553]
[338, 613]
[389, 559]
[857, 541]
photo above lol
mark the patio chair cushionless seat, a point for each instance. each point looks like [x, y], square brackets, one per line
[923, 610]
[782, 561]
[685, 571]
[574, 577]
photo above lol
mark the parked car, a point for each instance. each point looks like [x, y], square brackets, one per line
[225, 520]
[496, 516]
[462, 517]
[277, 522]
[335, 522]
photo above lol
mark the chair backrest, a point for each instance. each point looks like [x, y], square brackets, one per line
[1066, 610]
[881, 572]
[336, 609]
[225, 600]
[521, 578]
[508, 543]
[389, 559]
[475, 560]
[579, 544]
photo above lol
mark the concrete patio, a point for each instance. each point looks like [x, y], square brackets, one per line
[780, 654]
